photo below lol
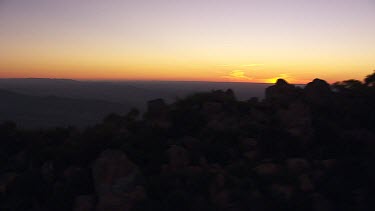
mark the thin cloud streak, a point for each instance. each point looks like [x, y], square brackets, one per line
[241, 65]
[238, 75]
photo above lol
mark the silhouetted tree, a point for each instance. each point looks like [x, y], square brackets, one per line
[370, 80]
[351, 84]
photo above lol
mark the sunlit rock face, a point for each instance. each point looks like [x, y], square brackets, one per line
[282, 92]
[115, 180]
[318, 92]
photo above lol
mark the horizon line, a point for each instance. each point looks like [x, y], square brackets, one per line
[138, 80]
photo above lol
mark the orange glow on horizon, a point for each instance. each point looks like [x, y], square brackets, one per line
[240, 41]
[160, 75]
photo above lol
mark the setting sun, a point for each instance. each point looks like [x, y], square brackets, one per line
[247, 41]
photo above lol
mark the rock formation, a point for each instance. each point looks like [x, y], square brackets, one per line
[318, 92]
[282, 92]
[115, 179]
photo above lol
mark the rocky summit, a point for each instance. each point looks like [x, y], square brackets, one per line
[309, 148]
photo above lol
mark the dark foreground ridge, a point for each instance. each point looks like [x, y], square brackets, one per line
[308, 148]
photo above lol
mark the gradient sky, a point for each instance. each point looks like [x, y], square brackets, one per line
[206, 40]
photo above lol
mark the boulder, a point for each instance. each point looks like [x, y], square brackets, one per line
[47, 170]
[296, 119]
[297, 165]
[84, 203]
[156, 107]
[284, 191]
[157, 114]
[320, 203]
[251, 155]
[282, 92]
[318, 92]
[268, 169]
[248, 144]
[189, 142]
[221, 123]
[178, 157]
[221, 200]
[5, 180]
[72, 171]
[306, 183]
[329, 163]
[115, 180]
[210, 108]
[218, 194]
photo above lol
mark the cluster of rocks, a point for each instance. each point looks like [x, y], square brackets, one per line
[294, 150]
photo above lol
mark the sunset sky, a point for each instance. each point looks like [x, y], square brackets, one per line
[199, 40]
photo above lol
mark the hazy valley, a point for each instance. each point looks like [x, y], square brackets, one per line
[62, 102]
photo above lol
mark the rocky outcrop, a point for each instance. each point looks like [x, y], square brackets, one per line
[297, 165]
[282, 92]
[318, 92]
[5, 180]
[299, 149]
[296, 119]
[157, 114]
[115, 180]
[178, 158]
[268, 169]
[156, 107]
[84, 203]
[220, 196]
[210, 108]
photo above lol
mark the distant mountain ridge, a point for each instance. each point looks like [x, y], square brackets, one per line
[44, 102]
[71, 89]
[52, 111]
[129, 92]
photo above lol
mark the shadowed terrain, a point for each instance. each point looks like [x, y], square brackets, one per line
[34, 102]
[309, 148]
[135, 93]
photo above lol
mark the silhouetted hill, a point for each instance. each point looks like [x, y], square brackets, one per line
[106, 91]
[96, 98]
[33, 111]
[134, 93]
